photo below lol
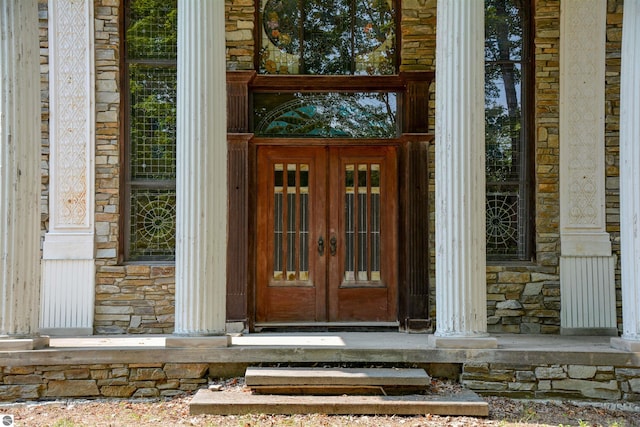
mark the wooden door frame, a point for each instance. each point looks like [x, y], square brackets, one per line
[414, 146]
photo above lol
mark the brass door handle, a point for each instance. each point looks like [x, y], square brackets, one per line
[320, 246]
[333, 245]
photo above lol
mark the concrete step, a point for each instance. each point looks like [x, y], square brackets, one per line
[336, 381]
[465, 403]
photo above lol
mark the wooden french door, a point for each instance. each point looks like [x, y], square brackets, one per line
[326, 234]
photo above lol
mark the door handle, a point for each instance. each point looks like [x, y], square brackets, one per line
[333, 245]
[320, 246]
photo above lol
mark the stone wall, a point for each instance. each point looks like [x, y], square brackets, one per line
[43, 28]
[612, 136]
[135, 298]
[418, 35]
[240, 28]
[580, 382]
[143, 380]
[119, 380]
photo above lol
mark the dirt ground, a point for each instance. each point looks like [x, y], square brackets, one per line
[175, 412]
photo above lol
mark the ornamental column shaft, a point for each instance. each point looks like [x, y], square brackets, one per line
[19, 175]
[629, 181]
[201, 183]
[587, 267]
[461, 312]
[68, 265]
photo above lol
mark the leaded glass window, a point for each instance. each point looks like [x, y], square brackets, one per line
[327, 37]
[150, 63]
[506, 129]
[326, 115]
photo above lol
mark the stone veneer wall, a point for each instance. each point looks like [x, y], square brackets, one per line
[522, 297]
[129, 298]
[121, 380]
[44, 109]
[143, 380]
[578, 382]
[612, 136]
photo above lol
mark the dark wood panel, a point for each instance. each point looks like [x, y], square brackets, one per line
[238, 100]
[238, 217]
[415, 266]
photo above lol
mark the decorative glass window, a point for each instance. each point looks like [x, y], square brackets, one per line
[507, 129]
[291, 222]
[362, 222]
[327, 37]
[150, 63]
[326, 115]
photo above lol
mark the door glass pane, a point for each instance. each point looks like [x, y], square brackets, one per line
[291, 210]
[375, 222]
[278, 215]
[362, 222]
[291, 221]
[303, 269]
[349, 223]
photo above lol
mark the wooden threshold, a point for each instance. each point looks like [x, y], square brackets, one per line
[325, 326]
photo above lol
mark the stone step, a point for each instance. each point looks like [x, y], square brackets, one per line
[464, 403]
[336, 381]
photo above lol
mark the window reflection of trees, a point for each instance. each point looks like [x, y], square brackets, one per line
[150, 47]
[345, 115]
[504, 130]
[328, 37]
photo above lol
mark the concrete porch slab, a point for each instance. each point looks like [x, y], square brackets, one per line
[256, 376]
[24, 344]
[625, 345]
[465, 403]
[336, 380]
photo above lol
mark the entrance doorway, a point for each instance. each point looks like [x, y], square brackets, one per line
[327, 246]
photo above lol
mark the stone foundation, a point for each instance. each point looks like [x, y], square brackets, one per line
[144, 380]
[576, 382]
[104, 380]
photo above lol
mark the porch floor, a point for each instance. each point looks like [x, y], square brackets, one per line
[325, 347]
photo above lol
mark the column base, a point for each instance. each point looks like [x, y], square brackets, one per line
[30, 343]
[610, 332]
[67, 332]
[176, 341]
[625, 344]
[462, 342]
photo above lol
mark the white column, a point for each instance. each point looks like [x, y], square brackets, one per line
[630, 178]
[587, 267]
[201, 235]
[461, 310]
[68, 265]
[19, 175]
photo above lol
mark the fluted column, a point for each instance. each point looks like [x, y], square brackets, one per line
[629, 173]
[201, 235]
[19, 175]
[461, 312]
